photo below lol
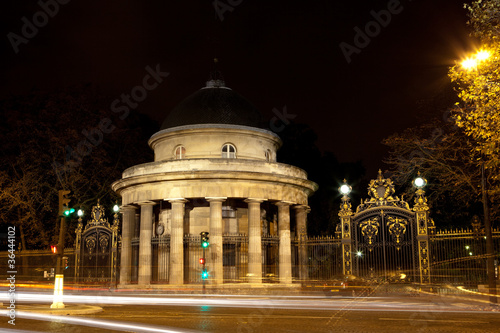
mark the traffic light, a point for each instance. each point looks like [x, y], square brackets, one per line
[204, 239]
[202, 261]
[65, 262]
[64, 201]
[204, 275]
[69, 211]
[53, 249]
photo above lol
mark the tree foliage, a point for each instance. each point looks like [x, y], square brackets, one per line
[478, 83]
[44, 149]
[441, 152]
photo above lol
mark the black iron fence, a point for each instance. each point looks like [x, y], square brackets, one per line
[459, 256]
[456, 257]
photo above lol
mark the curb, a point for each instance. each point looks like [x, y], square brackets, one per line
[68, 310]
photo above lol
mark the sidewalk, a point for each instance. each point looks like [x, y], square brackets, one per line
[69, 309]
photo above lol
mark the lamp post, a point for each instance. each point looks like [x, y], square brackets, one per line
[473, 63]
[421, 210]
[345, 215]
[490, 254]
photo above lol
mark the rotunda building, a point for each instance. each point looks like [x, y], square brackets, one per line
[214, 171]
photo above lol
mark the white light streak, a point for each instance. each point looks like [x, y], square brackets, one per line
[95, 322]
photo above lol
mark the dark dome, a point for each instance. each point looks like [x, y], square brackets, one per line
[214, 104]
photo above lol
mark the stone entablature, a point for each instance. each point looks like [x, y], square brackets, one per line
[214, 165]
[206, 141]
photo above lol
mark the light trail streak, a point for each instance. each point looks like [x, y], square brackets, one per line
[105, 324]
[242, 302]
[475, 292]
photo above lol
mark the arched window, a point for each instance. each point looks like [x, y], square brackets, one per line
[228, 151]
[180, 153]
[268, 155]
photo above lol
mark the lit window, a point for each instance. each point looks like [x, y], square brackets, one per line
[228, 151]
[268, 155]
[180, 153]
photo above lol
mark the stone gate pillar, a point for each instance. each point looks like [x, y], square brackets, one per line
[422, 216]
[345, 215]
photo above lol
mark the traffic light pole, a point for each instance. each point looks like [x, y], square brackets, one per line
[59, 280]
[64, 209]
[60, 246]
[203, 270]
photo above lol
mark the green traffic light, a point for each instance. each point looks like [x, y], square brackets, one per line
[69, 211]
[205, 244]
[204, 275]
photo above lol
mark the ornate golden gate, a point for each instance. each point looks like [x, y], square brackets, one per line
[96, 248]
[385, 239]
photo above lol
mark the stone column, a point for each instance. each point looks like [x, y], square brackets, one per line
[301, 234]
[214, 262]
[126, 251]
[285, 251]
[145, 253]
[176, 271]
[254, 241]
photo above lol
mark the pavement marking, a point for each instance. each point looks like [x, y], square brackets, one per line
[439, 320]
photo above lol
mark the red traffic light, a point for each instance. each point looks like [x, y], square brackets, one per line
[202, 261]
[53, 249]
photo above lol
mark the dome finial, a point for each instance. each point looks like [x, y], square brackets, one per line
[216, 80]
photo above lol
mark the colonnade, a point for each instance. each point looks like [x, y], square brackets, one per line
[215, 255]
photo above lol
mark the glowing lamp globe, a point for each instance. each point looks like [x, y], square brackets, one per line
[345, 189]
[419, 182]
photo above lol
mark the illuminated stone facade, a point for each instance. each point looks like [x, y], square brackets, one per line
[215, 170]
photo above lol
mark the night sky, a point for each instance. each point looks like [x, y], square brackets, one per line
[274, 53]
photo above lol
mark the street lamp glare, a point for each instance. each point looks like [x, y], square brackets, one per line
[472, 62]
[116, 208]
[469, 63]
[359, 253]
[419, 182]
[345, 189]
[482, 55]
[80, 213]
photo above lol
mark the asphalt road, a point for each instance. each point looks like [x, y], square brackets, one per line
[404, 314]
